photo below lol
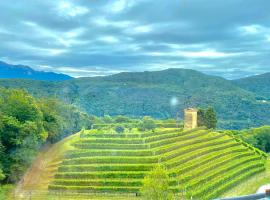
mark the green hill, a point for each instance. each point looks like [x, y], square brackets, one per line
[138, 94]
[200, 163]
[259, 84]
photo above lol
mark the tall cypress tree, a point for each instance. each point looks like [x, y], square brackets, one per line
[201, 117]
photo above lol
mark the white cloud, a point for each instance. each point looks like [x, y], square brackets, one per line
[68, 9]
[184, 46]
[195, 54]
[75, 32]
[108, 39]
[66, 39]
[251, 29]
[142, 29]
[55, 52]
[118, 6]
[102, 21]
[206, 54]
[87, 71]
[268, 38]
[256, 30]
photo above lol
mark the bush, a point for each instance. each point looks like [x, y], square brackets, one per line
[147, 124]
[119, 129]
[2, 176]
[121, 119]
[156, 185]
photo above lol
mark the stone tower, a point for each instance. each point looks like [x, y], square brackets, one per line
[191, 118]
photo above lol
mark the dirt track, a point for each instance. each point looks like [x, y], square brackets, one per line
[43, 169]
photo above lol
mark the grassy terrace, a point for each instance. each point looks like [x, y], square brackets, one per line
[201, 163]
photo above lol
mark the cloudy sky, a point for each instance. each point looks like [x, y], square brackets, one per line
[97, 37]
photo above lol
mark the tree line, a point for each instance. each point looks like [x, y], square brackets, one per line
[26, 124]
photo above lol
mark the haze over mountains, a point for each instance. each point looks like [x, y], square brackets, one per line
[25, 72]
[239, 103]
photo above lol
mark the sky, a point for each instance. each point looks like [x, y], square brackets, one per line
[100, 37]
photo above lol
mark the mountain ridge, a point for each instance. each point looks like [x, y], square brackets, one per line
[26, 72]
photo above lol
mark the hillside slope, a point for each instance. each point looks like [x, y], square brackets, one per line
[25, 72]
[259, 84]
[200, 163]
[35, 182]
[150, 93]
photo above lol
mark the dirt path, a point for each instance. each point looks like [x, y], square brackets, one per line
[43, 169]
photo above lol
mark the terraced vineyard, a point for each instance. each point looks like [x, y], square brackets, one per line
[200, 163]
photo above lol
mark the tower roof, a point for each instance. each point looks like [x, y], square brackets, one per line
[191, 109]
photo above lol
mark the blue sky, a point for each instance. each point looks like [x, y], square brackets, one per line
[99, 37]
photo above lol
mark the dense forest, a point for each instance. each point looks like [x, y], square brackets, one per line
[27, 124]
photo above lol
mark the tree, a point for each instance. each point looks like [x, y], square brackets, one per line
[258, 137]
[20, 105]
[210, 118]
[121, 119]
[201, 120]
[156, 185]
[147, 124]
[207, 117]
[107, 119]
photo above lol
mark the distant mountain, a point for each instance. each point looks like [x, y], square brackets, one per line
[25, 72]
[150, 93]
[259, 84]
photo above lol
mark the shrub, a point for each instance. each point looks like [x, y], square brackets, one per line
[156, 185]
[147, 124]
[121, 119]
[119, 129]
[2, 176]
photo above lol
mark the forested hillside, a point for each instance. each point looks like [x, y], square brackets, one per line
[259, 84]
[27, 124]
[152, 93]
[258, 137]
